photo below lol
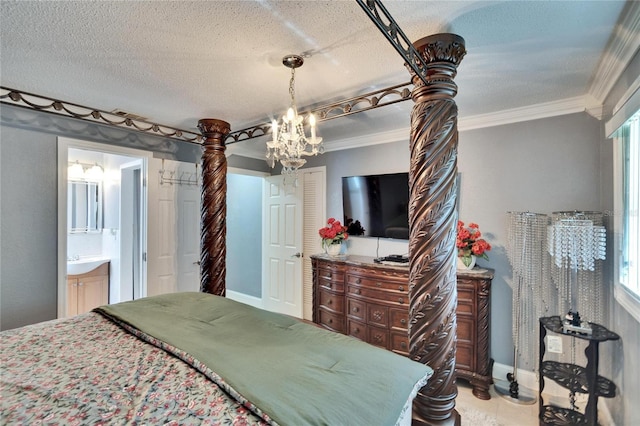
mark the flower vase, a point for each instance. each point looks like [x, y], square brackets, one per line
[334, 249]
[461, 265]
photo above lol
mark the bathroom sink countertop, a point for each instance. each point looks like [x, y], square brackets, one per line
[85, 264]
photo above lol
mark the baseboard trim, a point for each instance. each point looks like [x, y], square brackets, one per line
[245, 298]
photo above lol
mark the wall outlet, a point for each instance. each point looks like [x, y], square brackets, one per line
[554, 344]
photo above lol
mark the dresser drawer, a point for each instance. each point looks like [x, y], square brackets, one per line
[329, 265]
[356, 309]
[332, 302]
[378, 337]
[399, 318]
[465, 356]
[400, 342]
[374, 283]
[465, 330]
[377, 315]
[357, 329]
[332, 321]
[392, 298]
[332, 281]
[466, 301]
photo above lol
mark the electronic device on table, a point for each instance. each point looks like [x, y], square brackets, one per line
[573, 324]
[393, 258]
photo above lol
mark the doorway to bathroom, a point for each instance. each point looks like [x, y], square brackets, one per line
[102, 212]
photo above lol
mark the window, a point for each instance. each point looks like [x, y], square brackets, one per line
[627, 218]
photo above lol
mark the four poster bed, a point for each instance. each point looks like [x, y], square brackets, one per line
[199, 358]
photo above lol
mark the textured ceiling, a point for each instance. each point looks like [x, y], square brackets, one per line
[175, 62]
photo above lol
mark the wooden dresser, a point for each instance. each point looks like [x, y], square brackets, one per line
[355, 296]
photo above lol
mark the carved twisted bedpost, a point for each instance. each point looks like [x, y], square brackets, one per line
[213, 247]
[433, 219]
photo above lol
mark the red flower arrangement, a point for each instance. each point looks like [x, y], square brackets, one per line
[333, 233]
[469, 243]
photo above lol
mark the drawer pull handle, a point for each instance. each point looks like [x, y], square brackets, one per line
[403, 321]
[377, 338]
[329, 275]
[400, 300]
[378, 285]
[330, 321]
[356, 309]
[401, 288]
[403, 345]
[358, 281]
[329, 302]
[356, 331]
[357, 291]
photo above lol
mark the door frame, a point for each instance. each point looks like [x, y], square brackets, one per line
[64, 143]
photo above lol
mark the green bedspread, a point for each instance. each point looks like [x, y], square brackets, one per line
[294, 372]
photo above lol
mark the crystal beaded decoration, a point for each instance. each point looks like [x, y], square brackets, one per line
[577, 244]
[526, 251]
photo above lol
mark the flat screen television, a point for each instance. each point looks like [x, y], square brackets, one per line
[376, 205]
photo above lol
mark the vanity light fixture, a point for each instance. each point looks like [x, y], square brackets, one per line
[289, 142]
[75, 171]
[81, 171]
[95, 172]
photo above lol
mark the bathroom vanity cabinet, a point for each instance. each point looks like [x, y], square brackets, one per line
[87, 291]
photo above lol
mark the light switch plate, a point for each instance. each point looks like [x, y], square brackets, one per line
[554, 344]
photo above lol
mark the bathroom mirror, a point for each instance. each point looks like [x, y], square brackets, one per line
[84, 206]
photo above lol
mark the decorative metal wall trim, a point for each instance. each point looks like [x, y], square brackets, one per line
[366, 102]
[396, 37]
[372, 100]
[41, 103]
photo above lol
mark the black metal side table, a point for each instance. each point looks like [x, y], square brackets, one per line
[573, 377]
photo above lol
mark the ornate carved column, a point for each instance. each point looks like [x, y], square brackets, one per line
[433, 218]
[213, 247]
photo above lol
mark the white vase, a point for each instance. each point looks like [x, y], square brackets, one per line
[334, 249]
[461, 265]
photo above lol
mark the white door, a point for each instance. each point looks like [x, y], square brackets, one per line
[282, 247]
[188, 229]
[161, 238]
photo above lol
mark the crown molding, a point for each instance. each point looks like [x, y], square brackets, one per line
[396, 135]
[574, 105]
[528, 113]
[621, 48]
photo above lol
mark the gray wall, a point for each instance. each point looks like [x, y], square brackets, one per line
[244, 234]
[28, 235]
[540, 166]
[620, 361]
[28, 213]
[558, 163]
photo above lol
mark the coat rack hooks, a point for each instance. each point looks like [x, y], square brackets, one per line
[168, 177]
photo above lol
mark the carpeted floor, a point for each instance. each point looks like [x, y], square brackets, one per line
[474, 417]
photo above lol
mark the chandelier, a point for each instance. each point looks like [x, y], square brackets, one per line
[289, 142]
